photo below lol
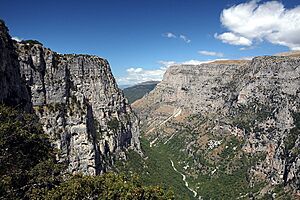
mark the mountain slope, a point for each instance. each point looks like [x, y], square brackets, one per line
[231, 128]
[136, 92]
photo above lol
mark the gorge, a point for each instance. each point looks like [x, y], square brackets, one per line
[239, 121]
[225, 129]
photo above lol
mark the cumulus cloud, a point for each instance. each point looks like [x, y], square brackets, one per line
[211, 53]
[259, 21]
[169, 35]
[196, 62]
[137, 74]
[17, 39]
[185, 38]
[165, 64]
[233, 39]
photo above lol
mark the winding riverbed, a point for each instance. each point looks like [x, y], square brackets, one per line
[184, 179]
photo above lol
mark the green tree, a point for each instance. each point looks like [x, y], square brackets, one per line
[107, 186]
[27, 159]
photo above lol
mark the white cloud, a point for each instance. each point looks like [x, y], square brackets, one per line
[233, 39]
[185, 38]
[247, 48]
[166, 63]
[195, 62]
[169, 35]
[211, 53]
[17, 39]
[255, 21]
[172, 35]
[137, 74]
[246, 58]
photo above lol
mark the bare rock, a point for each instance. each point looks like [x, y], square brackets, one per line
[80, 106]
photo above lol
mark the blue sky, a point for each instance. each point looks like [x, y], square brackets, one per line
[141, 38]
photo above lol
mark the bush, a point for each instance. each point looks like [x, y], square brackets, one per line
[107, 186]
[26, 156]
[113, 124]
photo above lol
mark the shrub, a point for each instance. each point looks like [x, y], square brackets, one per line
[26, 156]
[113, 124]
[107, 186]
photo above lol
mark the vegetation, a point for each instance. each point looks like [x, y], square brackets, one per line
[219, 173]
[107, 186]
[155, 169]
[28, 165]
[138, 91]
[113, 124]
[228, 185]
[29, 170]
[248, 116]
[292, 136]
[278, 193]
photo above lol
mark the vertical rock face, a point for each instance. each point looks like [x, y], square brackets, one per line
[76, 98]
[205, 89]
[270, 91]
[12, 90]
[258, 101]
[80, 107]
[194, 88]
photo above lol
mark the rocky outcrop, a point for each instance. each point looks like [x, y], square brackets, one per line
[258, 101]
[76, 99]
[80, 106]
[193, 88]
[13, 91]
[270, 91]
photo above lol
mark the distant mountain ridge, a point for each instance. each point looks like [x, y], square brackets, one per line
[139, 90]
[289, 54]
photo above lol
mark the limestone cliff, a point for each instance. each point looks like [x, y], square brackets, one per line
[76, 99]
[254, 105]
[80, 107]
[13, 91]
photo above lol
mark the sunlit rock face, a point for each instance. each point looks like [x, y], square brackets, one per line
[258, 101]
[80, 106]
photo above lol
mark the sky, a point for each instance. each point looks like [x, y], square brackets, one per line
[142, 38]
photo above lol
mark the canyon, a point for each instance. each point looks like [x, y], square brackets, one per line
[225, 129]
[237, 119]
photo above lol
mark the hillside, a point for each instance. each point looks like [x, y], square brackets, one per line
[136, 92]
[231, 128]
